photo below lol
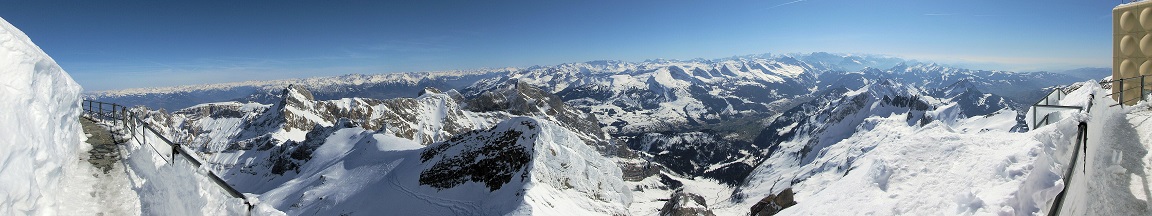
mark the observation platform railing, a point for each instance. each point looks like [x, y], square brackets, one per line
[1129, 90]
[137, 129]
[1048, 110]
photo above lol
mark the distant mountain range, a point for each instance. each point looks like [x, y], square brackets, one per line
[1088, 73]
[587, 135]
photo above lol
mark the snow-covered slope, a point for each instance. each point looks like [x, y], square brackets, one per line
[707, 127]
[890, 163]
[261, 146]
[283, 151]
[39, 111]
[550, 166]
[519, 166]
[890, 168]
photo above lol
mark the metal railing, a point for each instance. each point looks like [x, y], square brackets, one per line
[1120, 91]
[1049, 105]
[1081, 141]
[131, 122]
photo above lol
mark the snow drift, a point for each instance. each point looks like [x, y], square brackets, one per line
[39, 107]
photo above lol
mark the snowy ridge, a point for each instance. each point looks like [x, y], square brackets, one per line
[889, 166]
[39, 151]
[967, 173]
[666, 94]
[353, 170]
[719, 129]
[270, 149]
[550, 165]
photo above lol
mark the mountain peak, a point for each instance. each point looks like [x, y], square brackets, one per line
[429, 90]
[526, 157]
[296, 95]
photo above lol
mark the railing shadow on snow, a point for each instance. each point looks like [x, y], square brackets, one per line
[136, 127]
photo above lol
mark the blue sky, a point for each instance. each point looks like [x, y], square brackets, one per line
[126, 44]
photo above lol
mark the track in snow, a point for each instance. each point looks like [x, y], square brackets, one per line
[457, 207]
[111, 188]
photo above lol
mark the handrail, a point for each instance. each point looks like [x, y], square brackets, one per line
[1120, 93]
[1081, 140]
[1047, 102]
[96, 108]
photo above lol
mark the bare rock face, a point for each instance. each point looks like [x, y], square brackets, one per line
[405, 117]
[773, 203]
[493, 157]
[521, 98]
[685, 204]
[293, 99]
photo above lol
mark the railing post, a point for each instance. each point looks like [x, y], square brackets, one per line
[1084, 140]
[124, 116]
[143, 132]
[174, 151]
[1121, 93]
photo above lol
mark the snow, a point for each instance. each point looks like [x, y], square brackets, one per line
[361, 172]
[1129, 4]
[649, 194]
[889, 167]
[40, 173]
[173, 186]
[893, 169]
[1114, 177]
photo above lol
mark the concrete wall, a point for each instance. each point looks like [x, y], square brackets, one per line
[1131, 48]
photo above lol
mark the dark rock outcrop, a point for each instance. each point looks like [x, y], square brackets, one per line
[521, 98]
[685, 204]
[492, 157]
[773, 204]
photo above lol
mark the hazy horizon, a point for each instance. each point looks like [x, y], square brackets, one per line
[154, 44]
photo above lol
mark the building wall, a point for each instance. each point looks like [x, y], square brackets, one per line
[1131, 49]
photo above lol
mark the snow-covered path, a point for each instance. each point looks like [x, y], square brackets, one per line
[113, 193]
[1119, 164]
[111, 187]
[1116, 181]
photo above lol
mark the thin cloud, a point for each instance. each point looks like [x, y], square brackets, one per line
[784, 4]
[962, 14]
